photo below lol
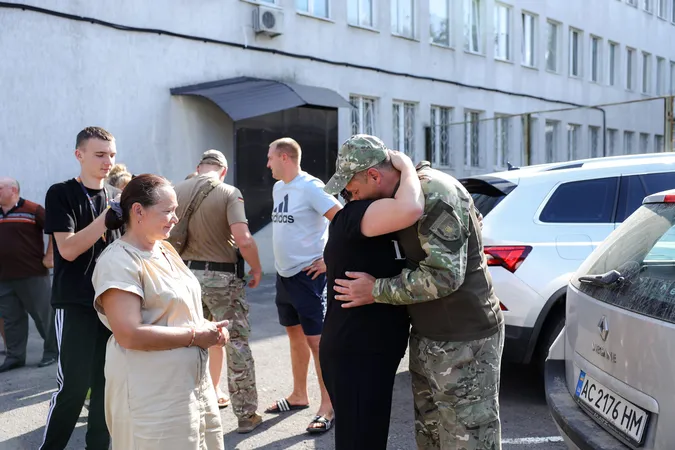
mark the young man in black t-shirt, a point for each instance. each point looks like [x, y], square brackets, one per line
[76, 221]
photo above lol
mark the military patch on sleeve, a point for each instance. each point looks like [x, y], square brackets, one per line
[444, 223]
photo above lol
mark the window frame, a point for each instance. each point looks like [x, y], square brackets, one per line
[509, 31]
[395, 13]
[595, 60]
[361, 109]
[448, 6]
[612, 139]
[579, 53]
[358, 14]
[594, 134]
[469, 146]
[502, 140]
[401, 140]
[628, 134]
[646, 75]
[534, 41]
[436, 111]
[660, 76]
[574, 132]
[310, 9]
[613, 53]
[640, 141]
[558, 52]
[468, 27]
[555, 132]
[630, 68]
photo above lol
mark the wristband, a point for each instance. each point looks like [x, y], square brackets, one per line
[194, 333]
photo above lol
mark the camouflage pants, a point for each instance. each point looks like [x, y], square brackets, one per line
[224, 298]
[456, 392]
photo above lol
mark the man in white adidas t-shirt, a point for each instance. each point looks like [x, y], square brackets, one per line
[300, 217]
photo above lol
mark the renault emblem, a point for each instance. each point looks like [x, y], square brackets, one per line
[603, 327]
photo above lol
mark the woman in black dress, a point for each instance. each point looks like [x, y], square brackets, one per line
[361, 348]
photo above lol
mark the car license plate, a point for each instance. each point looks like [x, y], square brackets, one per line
[621, 414]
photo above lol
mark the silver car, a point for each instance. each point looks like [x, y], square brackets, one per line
[610, 374]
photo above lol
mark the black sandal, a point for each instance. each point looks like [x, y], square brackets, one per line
[282, 405]
[326, 425]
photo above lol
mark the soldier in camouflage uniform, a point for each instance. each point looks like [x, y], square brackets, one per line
[216, 228]
[457, 332]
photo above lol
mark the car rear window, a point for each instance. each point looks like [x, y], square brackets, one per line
[642, 251]
[487, 191]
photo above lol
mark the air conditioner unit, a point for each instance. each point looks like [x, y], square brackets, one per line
[269, 21]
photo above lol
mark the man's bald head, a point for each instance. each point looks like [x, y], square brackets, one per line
[9, 192]
[11, 183]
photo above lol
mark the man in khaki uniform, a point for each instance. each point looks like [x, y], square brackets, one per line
[216, 229]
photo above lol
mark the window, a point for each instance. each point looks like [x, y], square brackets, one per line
[502, 126]
[472, 30]
[628, 144]
[660, 76]
[613, 63]
[588, 201]
[663, 9]
[573, 141]
[403, 18]
[611, 141]
[551, 135]
[441, 141]
[552, 37]
[672, 12]
[658, 143]
[646, 73]
[644, 143]
[594, 141]
[318, 8]
[472, 139]
[630, 69]
[529, 40]
[363, 115]
[635, 188]
[439, 17]
[672, 77]
[596, 43]
[502, 32]
[404, 128]
[642, 252]
[360, 13]
[648, 5]
[575, 53]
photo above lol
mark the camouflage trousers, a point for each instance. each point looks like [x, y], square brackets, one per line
[224, 298]
[456, 392]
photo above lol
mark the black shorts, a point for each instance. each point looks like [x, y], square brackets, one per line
[300, 301]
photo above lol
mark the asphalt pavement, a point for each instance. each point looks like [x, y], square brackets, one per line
[25, 394]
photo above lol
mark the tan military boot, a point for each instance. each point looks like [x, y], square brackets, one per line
[250, 423]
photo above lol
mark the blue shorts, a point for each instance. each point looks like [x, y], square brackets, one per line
[300, 301]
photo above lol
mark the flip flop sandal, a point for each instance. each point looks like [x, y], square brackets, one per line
[282, 405]
[327, 424]
[223, 402]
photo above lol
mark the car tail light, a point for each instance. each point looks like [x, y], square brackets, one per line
[502, 307]
[670, 198]
[509, 257]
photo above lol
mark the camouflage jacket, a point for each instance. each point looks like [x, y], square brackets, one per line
[443, 231]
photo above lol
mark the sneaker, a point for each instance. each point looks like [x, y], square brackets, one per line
[249, 424]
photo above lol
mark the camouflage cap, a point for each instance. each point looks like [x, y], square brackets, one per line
[213, 157]
[358, 153]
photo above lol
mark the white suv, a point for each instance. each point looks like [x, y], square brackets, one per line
[541, 222]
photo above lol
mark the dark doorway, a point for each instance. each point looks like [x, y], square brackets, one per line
[315, 129]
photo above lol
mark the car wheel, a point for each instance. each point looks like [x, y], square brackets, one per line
[552, 328]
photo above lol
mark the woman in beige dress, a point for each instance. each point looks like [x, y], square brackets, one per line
[158, 393]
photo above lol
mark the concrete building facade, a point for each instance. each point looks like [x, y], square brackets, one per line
[422, 74]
